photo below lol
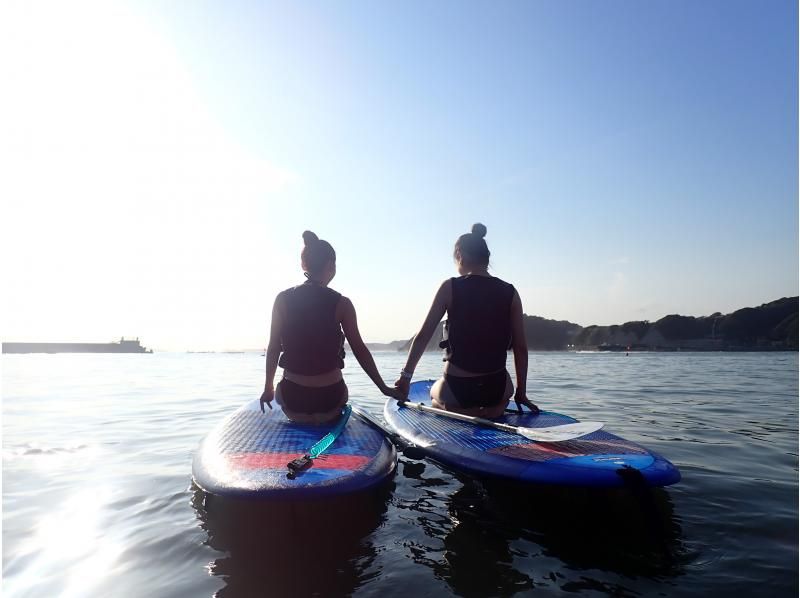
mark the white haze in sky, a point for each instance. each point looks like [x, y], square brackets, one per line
[160, 160]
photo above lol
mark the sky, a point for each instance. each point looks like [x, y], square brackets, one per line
[160, 160]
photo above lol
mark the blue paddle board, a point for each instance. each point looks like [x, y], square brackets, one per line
[247, 453]
[598, 459]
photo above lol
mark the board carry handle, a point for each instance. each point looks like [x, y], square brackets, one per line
[300, 464]
[546, 434]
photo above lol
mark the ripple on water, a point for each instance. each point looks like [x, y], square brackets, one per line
[97, 498]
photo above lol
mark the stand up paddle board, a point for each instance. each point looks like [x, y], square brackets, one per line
[597, 459]
[248, 453]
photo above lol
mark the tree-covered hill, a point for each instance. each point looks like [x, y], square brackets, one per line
[771, 326]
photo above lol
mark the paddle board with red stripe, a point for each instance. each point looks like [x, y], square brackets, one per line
[247, 453]
[598, 459]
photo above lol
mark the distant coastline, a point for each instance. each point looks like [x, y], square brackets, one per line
[122, 346]
[769, 327]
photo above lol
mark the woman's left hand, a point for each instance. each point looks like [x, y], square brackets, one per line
[266, 397]
[521, 398]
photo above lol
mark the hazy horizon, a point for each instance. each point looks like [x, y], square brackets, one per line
[162, 160]
[237, 349]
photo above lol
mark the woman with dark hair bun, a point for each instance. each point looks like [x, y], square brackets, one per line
[484, 320]
[309, 325]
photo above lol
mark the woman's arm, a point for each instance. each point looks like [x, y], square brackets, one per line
[273, 352]
[519, 345]
[349, 322]
[435, 314]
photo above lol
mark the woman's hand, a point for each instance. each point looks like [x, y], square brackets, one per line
[266, 397]
[402, 386]
[521, 398]
[394, 393]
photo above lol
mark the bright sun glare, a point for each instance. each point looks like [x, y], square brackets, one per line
[118, 175]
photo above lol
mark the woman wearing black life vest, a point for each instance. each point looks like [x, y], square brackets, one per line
[309, 325]
[484, 320]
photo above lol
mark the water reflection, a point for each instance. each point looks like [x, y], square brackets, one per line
[302, 548]
[67, 550]
[488, 538]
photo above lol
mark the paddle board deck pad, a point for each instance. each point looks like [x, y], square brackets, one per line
[598, 459]
[247, 453]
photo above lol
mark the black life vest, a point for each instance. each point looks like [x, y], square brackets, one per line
[478, 328]
[312, 340]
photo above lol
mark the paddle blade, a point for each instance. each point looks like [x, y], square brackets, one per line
[560, 433]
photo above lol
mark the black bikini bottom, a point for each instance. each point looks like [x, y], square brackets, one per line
[478, 391]
[310, 399]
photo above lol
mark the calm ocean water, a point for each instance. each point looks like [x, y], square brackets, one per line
[98, 499]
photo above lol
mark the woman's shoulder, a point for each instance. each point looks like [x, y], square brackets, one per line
[335, 294]
[509, 288]
[307, 290]
[447, 285]
[290, 290]
[344, 308]
[504, 288]
[500, 282]
[471, 279]
[343, 302]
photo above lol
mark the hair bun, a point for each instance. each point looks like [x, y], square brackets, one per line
[479, 229]
[309, 237]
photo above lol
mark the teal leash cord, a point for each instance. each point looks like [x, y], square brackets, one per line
[328, 439]
[297, 465]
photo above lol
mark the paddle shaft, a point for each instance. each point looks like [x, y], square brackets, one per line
[467, 418]
[544, 434]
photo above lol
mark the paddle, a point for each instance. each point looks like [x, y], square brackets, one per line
[297, 465]
[409, 450]
[549, 434]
